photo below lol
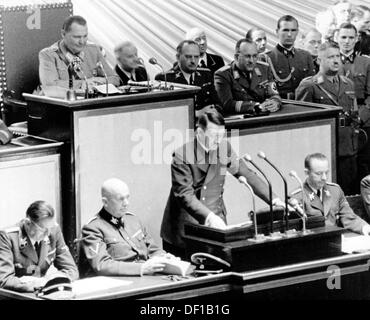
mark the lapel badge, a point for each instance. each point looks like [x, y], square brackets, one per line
[236, 74]
[178, 75]
[327, 192]
[312, 196]
[23, 243]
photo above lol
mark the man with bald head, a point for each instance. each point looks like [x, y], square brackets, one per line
[129, 65]
[207, 60]
[115, 242]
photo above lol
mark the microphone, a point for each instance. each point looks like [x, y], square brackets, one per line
[142, 63]
[294, 175]
[77, 68]
[262, 155]
[154, 61]
[101, 67]
[257, 237]
[248, 158]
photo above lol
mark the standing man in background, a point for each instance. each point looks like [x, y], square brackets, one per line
[311, 42]
[290, 63]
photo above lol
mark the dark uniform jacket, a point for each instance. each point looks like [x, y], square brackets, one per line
[140, 75]
[357, 68]
[237, 94]
[202, 78]
[54, 61]
[365, 193]
[113, 247]
[319, 89]
[19, 258]
[214, 62]
[334, 206]
[197, 187]
[284, 62]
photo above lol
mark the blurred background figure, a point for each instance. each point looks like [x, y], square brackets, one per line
[311, 42]
[258, 36]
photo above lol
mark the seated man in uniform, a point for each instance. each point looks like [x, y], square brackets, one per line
[74, 56]
[325, 198]
[186, 71]
[328, 87]
[30, 248]
[365, 193]
[129, 66]
[114, 241]
[246, 85]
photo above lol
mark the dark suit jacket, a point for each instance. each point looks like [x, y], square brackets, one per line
[140, 73]
[202, 78]
[214, 62]
[334, 207]
[197, 187]
[19, 258]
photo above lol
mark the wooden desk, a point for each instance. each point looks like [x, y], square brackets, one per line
[296, 281]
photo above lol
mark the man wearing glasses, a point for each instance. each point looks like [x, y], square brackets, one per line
[246, 85]
[326, 198]
[30, 248]
[198, 172]
[186, 71]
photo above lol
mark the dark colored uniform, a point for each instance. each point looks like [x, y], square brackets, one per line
[333, 206]
[214, 62]
[18, 257]
[365, 194]
[197, 187]
[202, 78]
[140, 75]
[295, 65]
[114, 247]
[319, 89]
[357, 68]
[239, 92]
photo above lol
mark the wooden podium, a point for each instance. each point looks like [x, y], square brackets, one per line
[130, 137]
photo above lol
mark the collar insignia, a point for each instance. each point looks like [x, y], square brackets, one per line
[23, 243]
[114, 221]
[312, 196]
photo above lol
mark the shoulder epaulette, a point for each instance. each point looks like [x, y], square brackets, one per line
[344, 78]
[12, 229]
[92, 219]
[263, 63]
[203, 69]
[332, 184]
[224, 68]
[317, 79]
[295, 191]
[130, 213]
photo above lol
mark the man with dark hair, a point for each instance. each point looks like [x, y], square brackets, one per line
[186, 71]
[198, 175]
[246, 85]
[213, 62]
[258, 36]
[28, 249]
[327, 87]
[357, 68]
[73, 50]
[129, 65]
[323, 198]
[290, 63]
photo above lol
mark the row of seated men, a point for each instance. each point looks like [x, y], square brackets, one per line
[116, 243]
[254, 82]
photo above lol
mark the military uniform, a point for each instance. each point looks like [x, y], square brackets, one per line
[319, 89]
[357, 68]
[54, 62]
[115, 247]
[214, 62]
[197, 188]
[18, 257]
[333, 206]
[238, 94]
[365, 193]
[292, 66]
[202, 78]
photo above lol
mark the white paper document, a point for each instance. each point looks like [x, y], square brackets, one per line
[96, 284]
[103, 89]
[355, 244]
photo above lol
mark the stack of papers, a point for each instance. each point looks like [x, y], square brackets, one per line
[355, 244]
[96, 284]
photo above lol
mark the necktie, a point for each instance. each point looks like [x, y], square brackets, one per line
[318, 193]
[38, 248]
[132, 77]
[191, 82]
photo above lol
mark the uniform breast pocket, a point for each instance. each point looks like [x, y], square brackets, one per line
[116, 248]
[239, 93]
[62, 72]
[359, 78]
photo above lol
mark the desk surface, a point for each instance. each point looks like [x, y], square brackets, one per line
[242, 283]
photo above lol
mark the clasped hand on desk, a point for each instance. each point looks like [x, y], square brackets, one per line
[270, 105]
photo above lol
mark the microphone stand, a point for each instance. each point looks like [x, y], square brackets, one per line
[294, 175]
[257, 237]
[100, 65]
[248, 158]
[155, 62]
[262, 155]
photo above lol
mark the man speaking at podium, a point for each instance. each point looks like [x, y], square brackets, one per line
[198, 175]
[74, 49]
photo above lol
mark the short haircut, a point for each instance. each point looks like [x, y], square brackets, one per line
[211, 115]
[347, 25]
[40, 210]
[311, 30]
[122, 45]
[240, 42]
[250, 32]
[182, 44]
[288, 18]
[327, 45]
[68, 22]
[317, 155]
